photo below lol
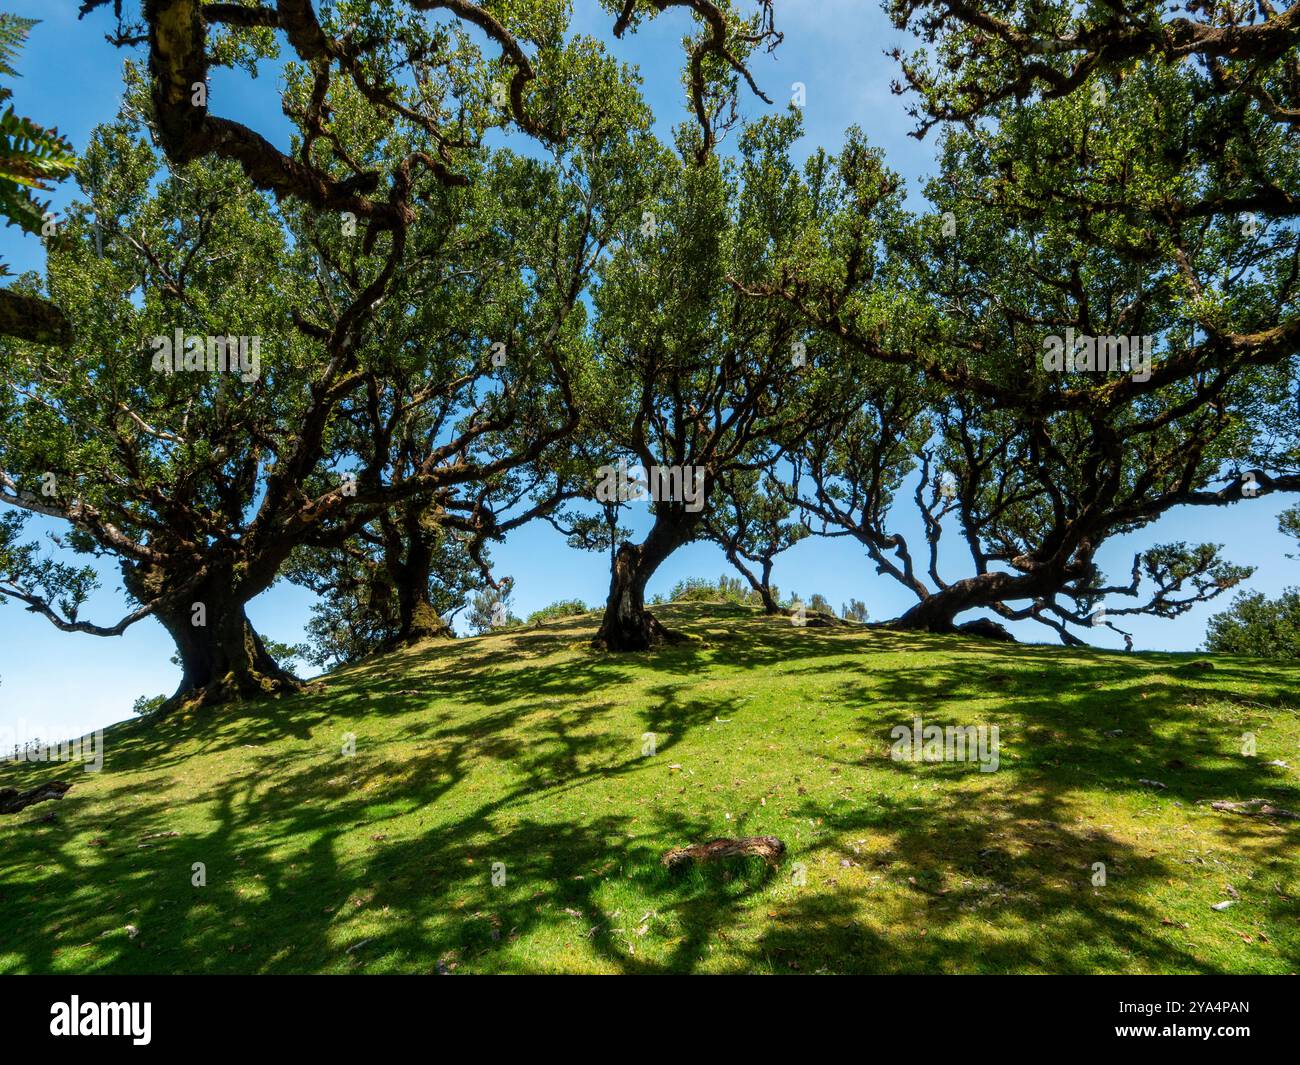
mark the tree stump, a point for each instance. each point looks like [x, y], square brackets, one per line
[769, 848]
[12, 800]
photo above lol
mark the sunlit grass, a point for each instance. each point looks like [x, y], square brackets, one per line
[525, 749]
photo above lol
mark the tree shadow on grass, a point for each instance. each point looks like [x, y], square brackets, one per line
[385, 861]
[426, 898]
[1114, 729]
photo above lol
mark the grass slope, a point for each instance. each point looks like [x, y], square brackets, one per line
[525, 748]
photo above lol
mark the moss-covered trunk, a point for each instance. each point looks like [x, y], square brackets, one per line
[627, 624]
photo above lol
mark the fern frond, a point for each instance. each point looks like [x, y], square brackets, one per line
[14, 30]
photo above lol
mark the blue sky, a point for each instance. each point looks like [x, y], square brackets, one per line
[54, 684]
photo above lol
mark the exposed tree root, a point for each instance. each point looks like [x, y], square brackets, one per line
[645, 634]
[233, 687]
[769, 848]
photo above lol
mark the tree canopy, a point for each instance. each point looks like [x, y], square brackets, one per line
[474, 290]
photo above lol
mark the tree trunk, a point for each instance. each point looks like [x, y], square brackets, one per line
[12, 800]
[222, 657]
[769, 848]
[627, 624]
[770, 605]
[938, 611]
[762, 586]
[418, 618]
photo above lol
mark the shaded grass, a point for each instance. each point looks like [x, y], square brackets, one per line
[525, 749]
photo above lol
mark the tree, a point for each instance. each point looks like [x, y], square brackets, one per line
[855, 610]
[154, 467]
[1256, 625]
[702, 590]
[406, 66]
[751, 523]
[515, 413]
[1018, 493]
[816, 604]
[558, 611]
[707, 375]
[718, 56]
[385, 587]
[1259, 626]
[208, 494]
[1289, 523]
[204, 483]
[490, 610]
[1048, 233]
[1218, 87]
[982, 57]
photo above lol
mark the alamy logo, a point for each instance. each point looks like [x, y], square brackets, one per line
[88, 749]
[1087, 354]
[621, 483]
[919, 742]
[102, 1018]
[195, 353]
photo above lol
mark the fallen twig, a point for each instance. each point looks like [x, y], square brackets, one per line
[1255, 808]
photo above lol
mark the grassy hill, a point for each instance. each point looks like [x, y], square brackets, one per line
[525, 748]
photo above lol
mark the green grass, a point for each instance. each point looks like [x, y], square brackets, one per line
[525, 748]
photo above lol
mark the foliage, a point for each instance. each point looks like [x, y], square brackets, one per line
[32, 159]
[565, 608]
[1255, 625]
[701, 590]
[148, 704]
[374, 395]
[489, 610]
[31, 156]
[855, 610]
[460, 332]
[814, 604]
[1289, 523]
